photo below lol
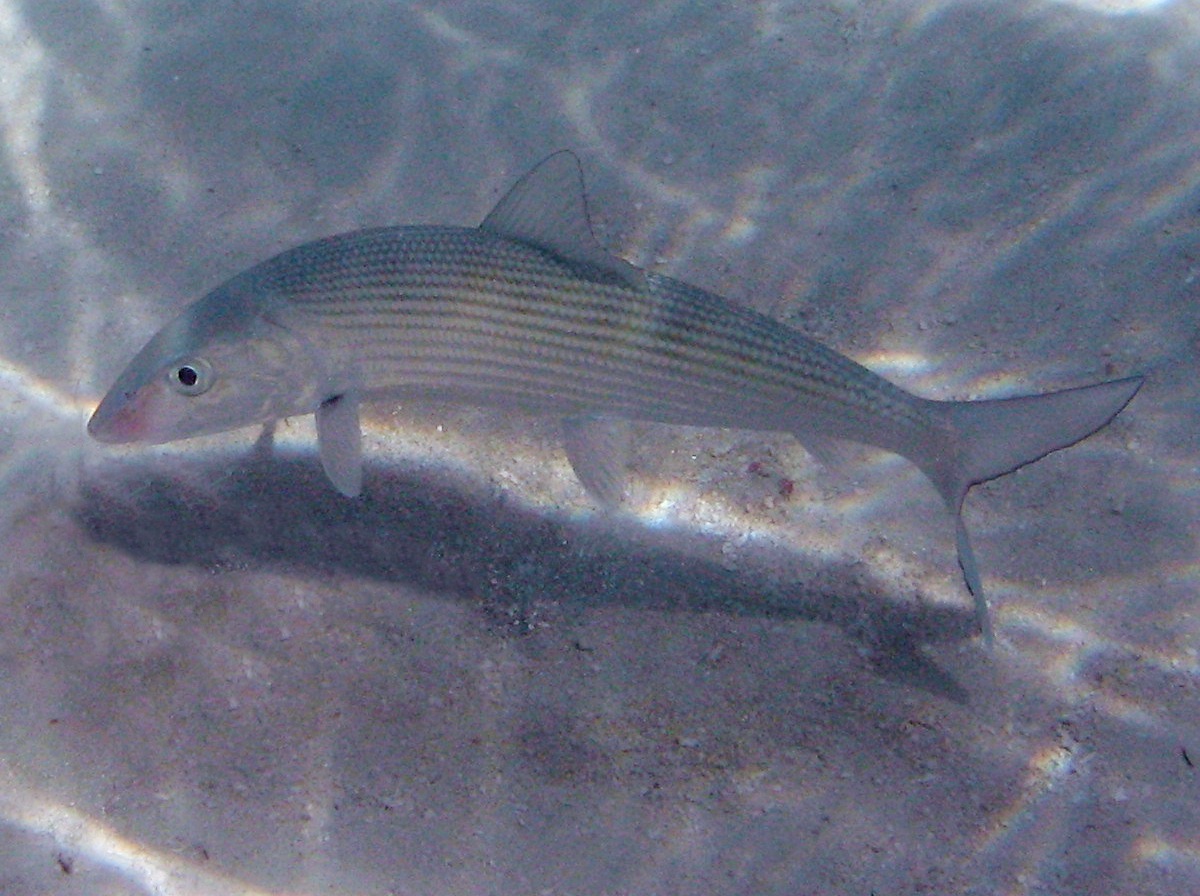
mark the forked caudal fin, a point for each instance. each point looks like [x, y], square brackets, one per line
[986, 439]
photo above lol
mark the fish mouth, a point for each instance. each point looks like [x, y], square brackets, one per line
[116, 420]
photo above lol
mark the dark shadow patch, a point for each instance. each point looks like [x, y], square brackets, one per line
[450, 537]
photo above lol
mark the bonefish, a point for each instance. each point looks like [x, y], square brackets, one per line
[528, 312]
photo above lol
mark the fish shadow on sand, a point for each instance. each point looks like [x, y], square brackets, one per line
[468, 541]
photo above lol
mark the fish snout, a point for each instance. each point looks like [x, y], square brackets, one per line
[116, 419]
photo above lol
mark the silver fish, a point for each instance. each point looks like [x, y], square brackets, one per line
[529, 312]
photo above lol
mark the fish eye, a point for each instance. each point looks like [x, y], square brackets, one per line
[193, 376]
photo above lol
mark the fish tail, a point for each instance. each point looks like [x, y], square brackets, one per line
[980, 440]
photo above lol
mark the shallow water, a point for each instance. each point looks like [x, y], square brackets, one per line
[218, 676]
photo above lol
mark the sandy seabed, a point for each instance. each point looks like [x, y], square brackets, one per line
[761, 676]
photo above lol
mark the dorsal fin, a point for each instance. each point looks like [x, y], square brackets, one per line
[547, 208]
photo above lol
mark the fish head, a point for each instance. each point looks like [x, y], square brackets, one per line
[225, 362]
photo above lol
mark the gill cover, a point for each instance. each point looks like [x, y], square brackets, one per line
[225, 362]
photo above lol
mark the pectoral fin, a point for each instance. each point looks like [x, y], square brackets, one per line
[598, 448]
[339, 442]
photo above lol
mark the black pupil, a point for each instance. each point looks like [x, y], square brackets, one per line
[187, 376]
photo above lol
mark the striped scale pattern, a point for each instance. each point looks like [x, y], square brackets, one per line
[473, 316]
